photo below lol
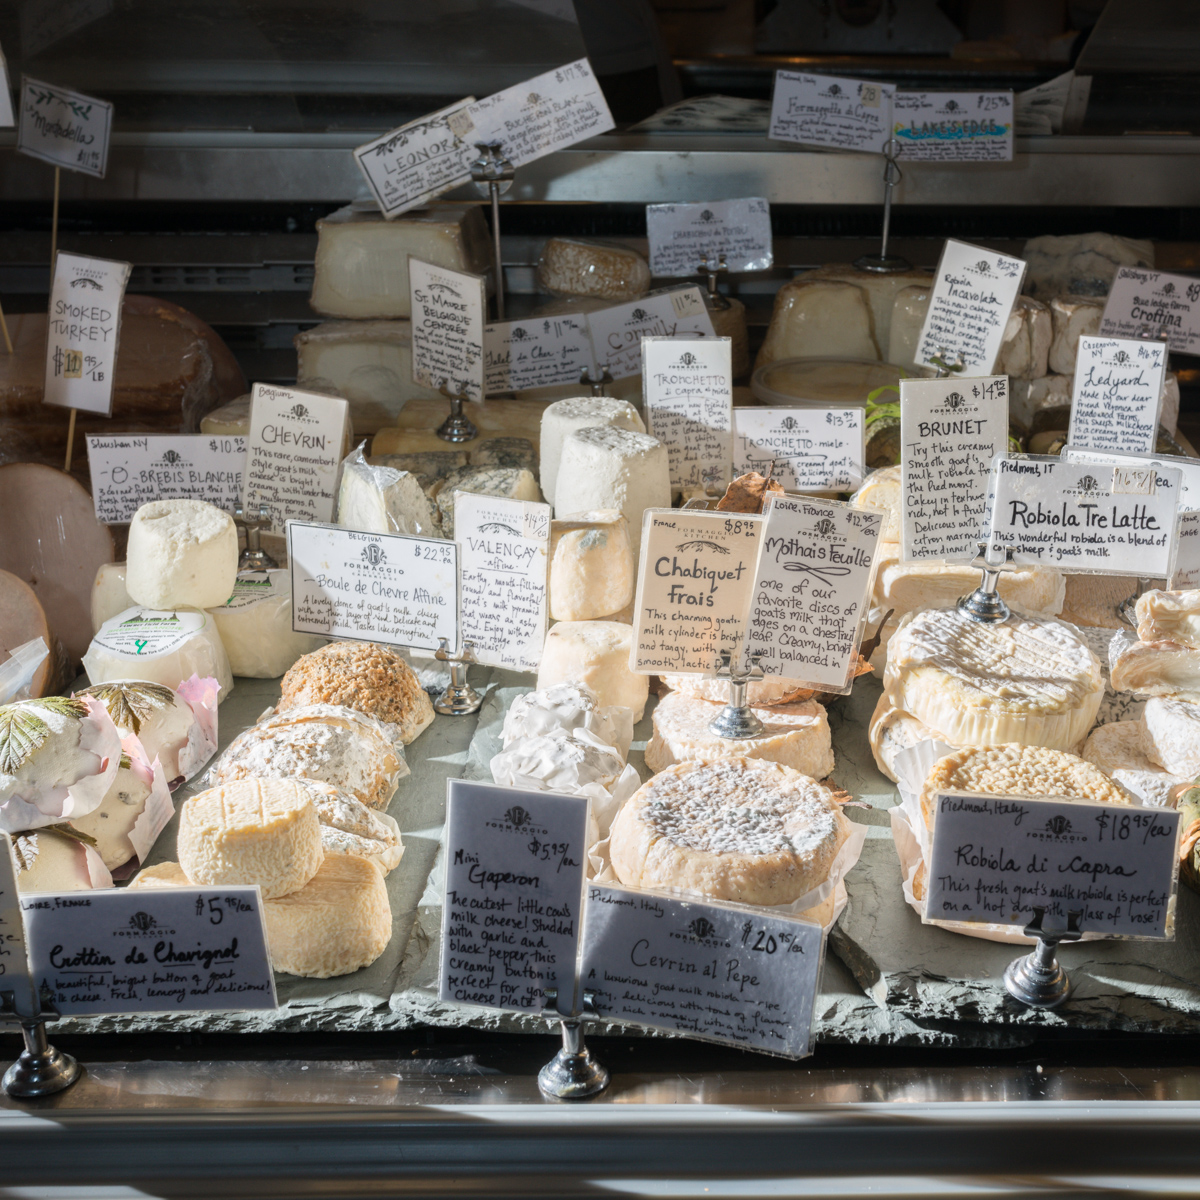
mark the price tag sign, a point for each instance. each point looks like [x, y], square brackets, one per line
[811, 590]
[504, 547]
[1188, 468]
[447, 328]
[1105, 520]
[1187, 551]
[1145, 303]
[694, 586]
[83, 330]
[14, 959]
[828, 110]
[950, 431]
[535, 352]
[293, 453]
[376, 587]
[813, 449]
[64, 128]
[684, 235]
[973, 294]
[954, 126]
[994, 859]
[617, 332]
[514, 893]
[687, 383]
[129, 470]
[721, 973]
[1117, 394]
[151, 950]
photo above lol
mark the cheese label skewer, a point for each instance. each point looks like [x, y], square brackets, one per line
[1117, 394]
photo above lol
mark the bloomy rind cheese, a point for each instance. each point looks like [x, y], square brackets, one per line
[1169, 617]
[591, 565]
[1119, 750]
[563, 417]
[182, 553]
[349, 827]
[595, 654]
[891, 730]
[383, 500]
[1154, 668]
[1173, 735]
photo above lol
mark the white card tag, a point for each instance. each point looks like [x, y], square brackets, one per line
[514, 892]
[694, 585]
[1085, 518]
[813, 449]
[293, 453]
[812, 588]
[950, 431]
[503, 547]
[64, 128]
[151, 950]
[954, 126]
[1146, 303]
[535, 352]
[684, 235]
[994, 859]
[376, 587]
[617, 332]
[1117, 394]
[1187, 551]
[14, 959]
[720, 973]
[129, 470]
[447, 328]
[827, 110]
[687, 383]
[83, 331]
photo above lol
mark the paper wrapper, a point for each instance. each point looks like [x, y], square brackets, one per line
[201, 696]
[159, 807]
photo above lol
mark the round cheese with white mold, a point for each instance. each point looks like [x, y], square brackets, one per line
[568, 706]
[109, 594]
[51, 862]
[595, 654]
[181, 553]
[156, 715]
[255, 625]
[592, 570]
[1029, 680]
[773, 689]
[559, 761]
[932, 583]
[1173, 735]
[794, 735]
[891, 730]
[563, 417]
[1164, 616]
[1119, 750]
[251, 831]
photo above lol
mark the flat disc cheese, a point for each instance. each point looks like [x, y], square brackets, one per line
[1119, 750]
[736, 829]
[794, 735]
[1027, 679]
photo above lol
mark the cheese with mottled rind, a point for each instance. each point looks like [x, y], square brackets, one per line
[511, 483]
[595, 654]
[1154, 668]
[563, 417]
[592, 570]
[382, 500]
[572, 267]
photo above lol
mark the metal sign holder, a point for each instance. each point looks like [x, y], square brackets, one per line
[715, 299]
[946, 369]
[736, 721]
[460, 698]
[41, 1070]
[254, 557]
[884, 263]
[457, 427]
[1037, 979]
[984, 603]
[597, 385]
[573, 1074]
[493, 175]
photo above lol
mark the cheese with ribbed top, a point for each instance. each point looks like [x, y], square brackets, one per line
[1119, 750]
[1169, 617]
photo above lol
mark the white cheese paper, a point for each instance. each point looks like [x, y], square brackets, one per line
[1144, 303]
[813, 449]
[828, 110]
[617, 332]
[83, 331]
[953, 126]
[535, 352]
[514, 893]
[375, 587]
[682, 236]
[447, 328]
[717, 972]
[950, 431]
[64, 128]
[503, 549]
[1117, 394]
[14, 961]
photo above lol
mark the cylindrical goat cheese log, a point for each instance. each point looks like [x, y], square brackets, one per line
[595, 654]
[181, 552]
[591, 565]
[563, 417]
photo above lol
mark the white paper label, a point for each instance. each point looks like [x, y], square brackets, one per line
[293, 453]
[503, 546]
[682, 236]
[149, 632]
[972, 296]
[813, 449]
[535, 352]
[411, 165]
[447, 328]
[14, 962]
[827, 110]
[514, 892]
[950, 430]
[130, 470]
[715, 972]
[83, 330]
[812, 587]
[1147, 304]
[694, 586]
[687, 383]
[253, 587]
[953, 126]
[151, 950]
[995, 859]
[1117, 394]
[64, 128]
[376, 587]
[1187, 551]
[617, 332]
[1069, 515]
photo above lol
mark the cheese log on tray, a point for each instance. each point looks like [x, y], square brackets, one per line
[596, 655]
[22, 619]
[564, 417]
[1074, 317]
[819, 318]
[880, 289]
[182, 553]
[1154, 668]
[512, 483]
[571, 267]
[52, 541]
[1169, 617]
[1119, 750]
[930, 583]
[362, 259]
[591, 565]
[1082, 264]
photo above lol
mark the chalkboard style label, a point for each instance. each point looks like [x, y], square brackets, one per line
[1117, 394]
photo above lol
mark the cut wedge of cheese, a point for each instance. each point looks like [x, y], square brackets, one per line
[1173, 735]
[1080, 263]
[883, 489]
[349, 827]
[383, 500]
[512, 483]
[1119, 750]
[1154, 668]
[1169, 617]
[591, 565]
[596, 655]
[890, 730]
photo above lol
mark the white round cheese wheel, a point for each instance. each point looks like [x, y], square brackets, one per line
[579, 412]
[592, 571]
[251, 831]
[734, 829]
[595, 654]
[255, 625]
[181, 553]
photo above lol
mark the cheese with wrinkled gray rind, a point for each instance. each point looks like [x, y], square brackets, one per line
[511, 483]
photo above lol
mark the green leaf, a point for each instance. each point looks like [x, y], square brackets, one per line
[22, 731]
[131, 703]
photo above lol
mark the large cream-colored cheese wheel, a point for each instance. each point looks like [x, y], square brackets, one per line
[734, 829]
[1027, 679]
[181, 552]
[339, 922]
[595, 654]
[930, 583]
[591, 565]
[251, 831]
